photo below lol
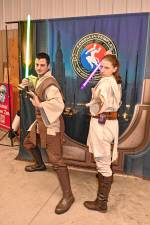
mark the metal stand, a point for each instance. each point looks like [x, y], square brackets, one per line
[3, 136]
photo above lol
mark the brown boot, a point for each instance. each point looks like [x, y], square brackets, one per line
[39, 164]
[104, 186]
[68, 198]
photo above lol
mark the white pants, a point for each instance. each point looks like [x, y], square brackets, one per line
[103, 163]
[99, 141]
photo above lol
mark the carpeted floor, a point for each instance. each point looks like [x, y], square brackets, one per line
[30, 198]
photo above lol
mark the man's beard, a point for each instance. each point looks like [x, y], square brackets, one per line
[41, 75]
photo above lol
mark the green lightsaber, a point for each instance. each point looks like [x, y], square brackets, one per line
[27, 47]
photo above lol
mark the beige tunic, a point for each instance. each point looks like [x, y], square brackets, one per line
[52, 107]
[101, 136]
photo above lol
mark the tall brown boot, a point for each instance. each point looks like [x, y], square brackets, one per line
[39, 164]
[68, 198]
[104, 186]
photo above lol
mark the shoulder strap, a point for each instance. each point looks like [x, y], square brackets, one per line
[45, 84]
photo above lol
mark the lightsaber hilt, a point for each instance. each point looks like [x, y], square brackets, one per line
[84, 84]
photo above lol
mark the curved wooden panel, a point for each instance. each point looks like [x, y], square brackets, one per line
[134, 140]
[136, 137]
[76, 154]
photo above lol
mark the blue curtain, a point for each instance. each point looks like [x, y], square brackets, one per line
[58, 37]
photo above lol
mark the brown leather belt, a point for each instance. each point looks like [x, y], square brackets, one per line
[109, 115]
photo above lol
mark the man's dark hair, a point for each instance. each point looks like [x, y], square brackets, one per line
[43, 55]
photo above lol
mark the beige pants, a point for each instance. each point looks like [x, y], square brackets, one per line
[99, 141]
[103, 163]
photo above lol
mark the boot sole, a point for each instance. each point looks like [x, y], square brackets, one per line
[98, 209]
[61, 212]
[30, 169]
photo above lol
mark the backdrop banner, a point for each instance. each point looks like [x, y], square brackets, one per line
[76, 46]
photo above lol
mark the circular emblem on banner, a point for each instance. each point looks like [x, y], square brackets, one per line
[89, 51]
